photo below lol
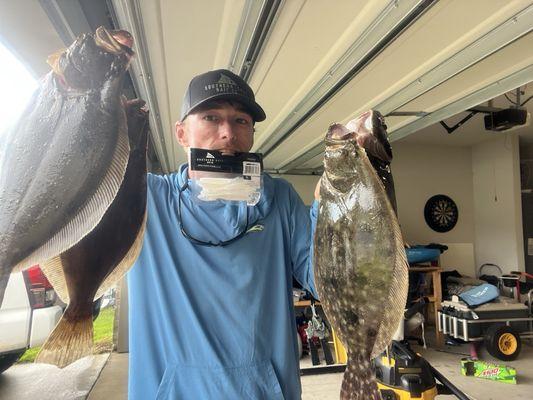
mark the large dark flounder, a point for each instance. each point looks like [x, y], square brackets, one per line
[100, 259]
[63, 162]
[360, 264]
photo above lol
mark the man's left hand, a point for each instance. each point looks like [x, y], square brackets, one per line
[317, 190]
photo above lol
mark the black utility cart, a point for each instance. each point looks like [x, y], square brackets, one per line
[499, 325]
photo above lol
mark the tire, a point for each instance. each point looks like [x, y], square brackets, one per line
[503, 342]
[7, 360]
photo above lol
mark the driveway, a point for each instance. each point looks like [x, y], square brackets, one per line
[47, 382]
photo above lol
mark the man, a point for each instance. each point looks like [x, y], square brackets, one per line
[210, 297]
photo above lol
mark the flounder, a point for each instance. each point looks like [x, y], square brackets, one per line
[64, 161]
[85, 271]
[361, 270]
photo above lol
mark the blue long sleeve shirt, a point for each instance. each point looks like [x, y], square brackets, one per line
[218, 322]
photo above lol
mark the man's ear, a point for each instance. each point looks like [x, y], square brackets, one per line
[181, 134]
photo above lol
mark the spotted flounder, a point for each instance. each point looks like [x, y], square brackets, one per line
[64, 161]
[361, 268]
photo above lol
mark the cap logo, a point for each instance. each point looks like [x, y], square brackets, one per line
[225, 85]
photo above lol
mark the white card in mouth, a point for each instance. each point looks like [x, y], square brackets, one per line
[251, 168]
[243, 188]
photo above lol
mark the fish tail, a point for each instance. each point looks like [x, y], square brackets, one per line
[69, 341]
[359, 382]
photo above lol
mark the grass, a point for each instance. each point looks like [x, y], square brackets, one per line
[103, 326]
[102, 336]
[29, 355]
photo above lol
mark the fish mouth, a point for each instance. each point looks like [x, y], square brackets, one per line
[114, 42]
[338, 135]
[371, 134]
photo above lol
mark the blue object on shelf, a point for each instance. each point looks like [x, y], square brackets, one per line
[419, 254]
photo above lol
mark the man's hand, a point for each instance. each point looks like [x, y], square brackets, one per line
[317, 190]
[137, 119]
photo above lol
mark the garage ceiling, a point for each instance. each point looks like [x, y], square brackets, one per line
[473, 132]
[313, 62]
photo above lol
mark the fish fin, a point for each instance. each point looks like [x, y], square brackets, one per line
[53, 61]
[126, 263]
[68, 342]
[53, 269]
[3, 285]
[397, 297]
[91, 212]
[359, 382]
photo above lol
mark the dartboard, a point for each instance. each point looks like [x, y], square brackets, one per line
[441, 213]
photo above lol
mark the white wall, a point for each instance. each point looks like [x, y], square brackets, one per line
[497, 203]
[526, 163]
[422, 171]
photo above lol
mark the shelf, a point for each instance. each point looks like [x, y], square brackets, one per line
[303, 303]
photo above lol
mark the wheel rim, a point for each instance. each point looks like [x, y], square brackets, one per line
[507, 344]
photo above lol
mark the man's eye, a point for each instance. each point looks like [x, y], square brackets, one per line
[243, 121]
[210, 118]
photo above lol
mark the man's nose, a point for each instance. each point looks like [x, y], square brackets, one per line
[226, 130]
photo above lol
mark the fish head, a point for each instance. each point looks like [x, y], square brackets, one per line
[371, 134]
[341, 149]
[93, 59]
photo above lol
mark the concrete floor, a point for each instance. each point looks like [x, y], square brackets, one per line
[112, 383]
[327, 386]
[105, 377]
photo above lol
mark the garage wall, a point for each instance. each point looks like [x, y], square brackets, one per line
[526, 164]
[497, 201]
[422, 171]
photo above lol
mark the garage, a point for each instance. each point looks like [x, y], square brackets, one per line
[452, 80]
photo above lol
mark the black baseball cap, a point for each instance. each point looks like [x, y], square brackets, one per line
[220, 84]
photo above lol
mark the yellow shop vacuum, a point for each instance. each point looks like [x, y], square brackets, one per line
[403, 374]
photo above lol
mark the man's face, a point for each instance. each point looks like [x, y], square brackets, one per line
[221, 125]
